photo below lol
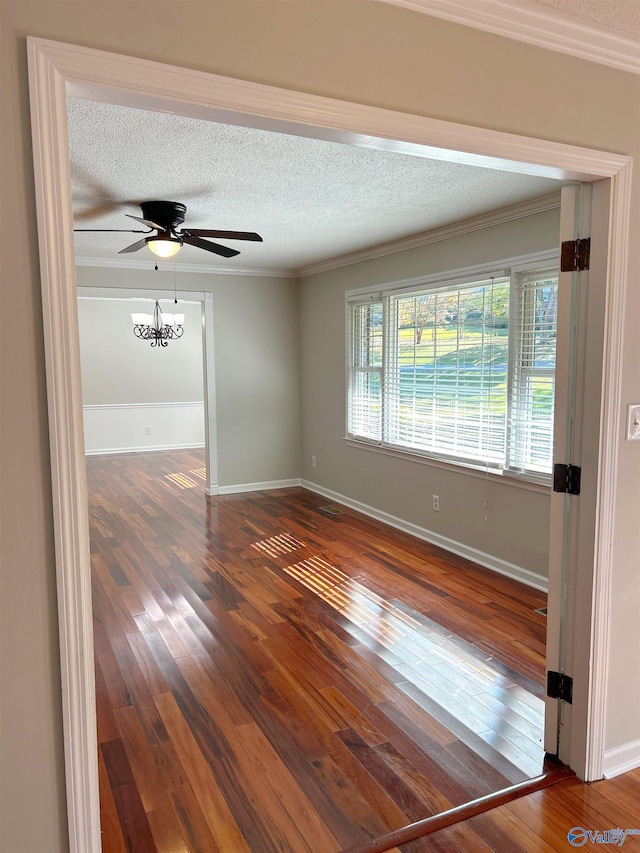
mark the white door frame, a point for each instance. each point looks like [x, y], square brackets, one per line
[57, 69]
[208, 359]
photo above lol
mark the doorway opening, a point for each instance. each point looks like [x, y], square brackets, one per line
[341, 121]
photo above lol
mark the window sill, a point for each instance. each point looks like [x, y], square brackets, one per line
[528, 482]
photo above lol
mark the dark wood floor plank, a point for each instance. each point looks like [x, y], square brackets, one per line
[365, 821]
[126, 796]
[149, 668]
[113, 681]
[517, 830]
[373, 761]
[294, 720]
[195, 829]
[201, 724]
[166, 831]
[382, 803]
[169, 766]
[106, 721]
[288, 814]
[111, 831]
[152, 791]
[133, 820]
[226, 833]
[458, 779]
[271, 677]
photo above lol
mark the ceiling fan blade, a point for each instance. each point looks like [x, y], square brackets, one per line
[98, 207]
[134, 246]
[225, 251]
[114, 230]
[226, 235]
[95, 211]
[147, 222]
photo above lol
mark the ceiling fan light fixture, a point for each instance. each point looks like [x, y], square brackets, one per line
[163, 245]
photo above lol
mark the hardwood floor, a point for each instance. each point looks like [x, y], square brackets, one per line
[273, 674]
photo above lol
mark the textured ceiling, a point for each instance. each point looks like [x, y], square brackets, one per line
[311, 200]
[620, 15]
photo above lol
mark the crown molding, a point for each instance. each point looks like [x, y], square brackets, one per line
[539, 26]
[202, 269]
[118, 294]
[455, 229]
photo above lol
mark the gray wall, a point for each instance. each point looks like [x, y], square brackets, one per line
[514, 524]
[257, 365]
[365, 52]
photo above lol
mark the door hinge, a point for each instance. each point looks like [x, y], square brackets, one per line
[560, 686]
[574, 255]
[566, 478]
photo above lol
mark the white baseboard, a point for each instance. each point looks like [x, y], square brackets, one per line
[257, 487]
[621, 759]
[110, 451]
[502, 567]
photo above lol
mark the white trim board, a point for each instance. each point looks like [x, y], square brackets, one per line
[137, 294]
[502, 567]
[155, 448]
[54, 69]
[203, 269]
[169, 405]
[621, 759]
[541, 27]
[238, 488]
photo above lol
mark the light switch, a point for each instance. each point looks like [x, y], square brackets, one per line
[633, 421]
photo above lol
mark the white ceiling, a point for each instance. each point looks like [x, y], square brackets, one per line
[620, 15]
[311, 200]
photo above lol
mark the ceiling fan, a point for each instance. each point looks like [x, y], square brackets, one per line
[164, 217]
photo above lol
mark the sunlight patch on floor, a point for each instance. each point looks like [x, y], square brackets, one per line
[465, 686]
[181, 480]
[276, 545]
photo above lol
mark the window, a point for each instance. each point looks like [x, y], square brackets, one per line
[460, 370]
[365, 411]
[532, 374]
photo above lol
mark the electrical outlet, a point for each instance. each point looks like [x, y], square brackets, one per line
[436, 503]
[148, 430]
[313, 461]
[633, 422]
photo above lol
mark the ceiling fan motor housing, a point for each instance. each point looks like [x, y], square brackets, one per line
[169, 214]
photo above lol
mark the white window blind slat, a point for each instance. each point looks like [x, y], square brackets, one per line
[463, 371]
[531, 405]
[365, 347]
[448, 377]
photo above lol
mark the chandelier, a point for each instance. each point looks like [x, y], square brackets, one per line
[159, 328]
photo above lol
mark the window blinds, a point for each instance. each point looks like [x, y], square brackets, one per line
[446, 376]
[532, 392]
[462, 371]
[365, 345]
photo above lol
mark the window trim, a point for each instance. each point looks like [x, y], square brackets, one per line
[447, 279]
